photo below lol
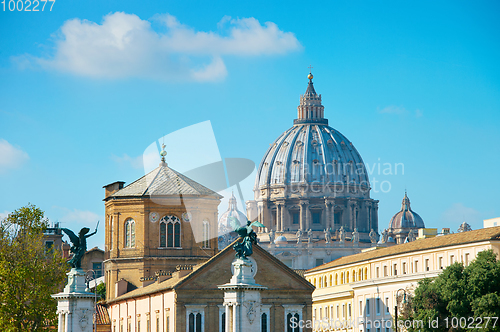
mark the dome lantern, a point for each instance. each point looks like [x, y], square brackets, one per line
[310, 109]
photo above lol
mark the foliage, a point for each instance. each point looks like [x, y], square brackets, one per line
[101, 291]
[469, 293]
[29, 273]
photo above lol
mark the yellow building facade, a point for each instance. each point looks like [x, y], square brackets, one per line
[156, 224]
[358, 293]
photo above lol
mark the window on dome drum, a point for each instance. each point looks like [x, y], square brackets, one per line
[316, 217]
[319, 261]
[337, 216]
[129, 233]
[206, 234]
[170, 232]
[295, 217]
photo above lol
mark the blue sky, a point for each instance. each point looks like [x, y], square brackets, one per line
[87, 87]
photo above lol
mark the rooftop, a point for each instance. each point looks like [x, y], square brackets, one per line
[164, 181]
[485, 234]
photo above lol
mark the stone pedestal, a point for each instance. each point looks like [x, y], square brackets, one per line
[242, 298]
[75, 306]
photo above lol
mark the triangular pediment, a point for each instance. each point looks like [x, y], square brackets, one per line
[271, 273]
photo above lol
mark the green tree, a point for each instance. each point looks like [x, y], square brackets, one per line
[469, 293]
[29, 273]
[101, 291]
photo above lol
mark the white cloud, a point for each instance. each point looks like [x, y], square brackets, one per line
[82, 218]
[11, 157]
[135, 162]
[458, 213]
[399, 110]
[126, 46]
[394, 110]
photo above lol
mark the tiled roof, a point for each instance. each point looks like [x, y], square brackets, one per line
[164, 181]
[102, 315]
[485, 234]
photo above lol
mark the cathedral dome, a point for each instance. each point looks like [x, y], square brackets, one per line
[311, 152]
[232, 211]
[406, 218]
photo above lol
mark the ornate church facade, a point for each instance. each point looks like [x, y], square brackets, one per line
[312, 192]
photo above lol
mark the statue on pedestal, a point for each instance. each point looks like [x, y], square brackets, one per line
[373, 236]
[244, 248]
[342, 235]
[309, 236]
[79, 244]
[385, 236]
[271, 236]
[299, 236]
[328, 236]
[355, 236]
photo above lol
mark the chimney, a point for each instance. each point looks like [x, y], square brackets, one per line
[162, 276]
[121, 287]
[111, 188]
[183, 270]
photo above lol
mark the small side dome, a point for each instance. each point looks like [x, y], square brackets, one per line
[390, 240]
[281, 240]
[232, 211]
[406, 218]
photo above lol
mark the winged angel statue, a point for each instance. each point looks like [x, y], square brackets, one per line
[244, 248]
[79, 244]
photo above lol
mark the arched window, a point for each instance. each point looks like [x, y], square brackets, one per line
[366, 273]
[342, 278]
[320, 282]
[360, 273]
[326, 282]
[170, 232]
[353, 275]
[336, 279]
[331, 280]
[263, 322]
[129, 233]
[206, 234]
[347, 277]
